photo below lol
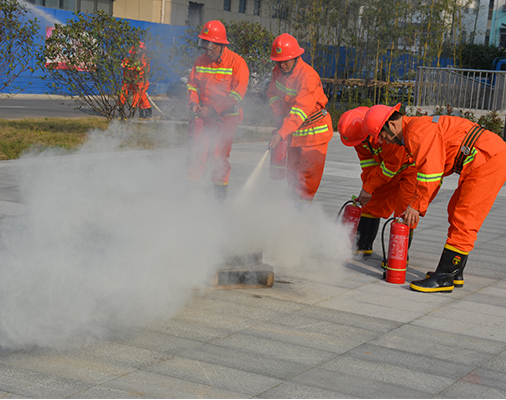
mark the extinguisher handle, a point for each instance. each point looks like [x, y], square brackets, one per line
[384, 262]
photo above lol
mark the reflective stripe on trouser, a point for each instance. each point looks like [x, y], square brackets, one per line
[472, 201]
[137, 92]
[304, 170]
[212, 145]
[394, 196]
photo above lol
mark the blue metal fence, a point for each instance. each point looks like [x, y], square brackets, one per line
[32, 81]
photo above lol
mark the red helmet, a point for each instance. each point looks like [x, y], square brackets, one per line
[376, 118]
[285, 47]
[350, 126]
[214, 31]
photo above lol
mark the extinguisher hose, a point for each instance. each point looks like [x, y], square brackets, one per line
[384, 262]
[342, 208]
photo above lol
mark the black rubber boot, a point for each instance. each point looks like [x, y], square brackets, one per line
[148, 113]
[220, 192]
[366, 233]
[141, 113]
[442, 279]
[458, 279]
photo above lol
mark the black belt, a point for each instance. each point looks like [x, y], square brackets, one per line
[314, 117]
[466, 148]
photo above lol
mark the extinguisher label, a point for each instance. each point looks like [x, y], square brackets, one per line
[398, 247]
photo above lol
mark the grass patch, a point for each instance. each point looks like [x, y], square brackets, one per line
[18, 136]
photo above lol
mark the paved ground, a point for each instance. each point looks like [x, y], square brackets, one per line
[344, 333]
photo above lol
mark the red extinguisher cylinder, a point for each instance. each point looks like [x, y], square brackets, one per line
[397, 253]
[351, 217]
[277, 169]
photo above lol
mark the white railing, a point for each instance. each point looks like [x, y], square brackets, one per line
[471, 89]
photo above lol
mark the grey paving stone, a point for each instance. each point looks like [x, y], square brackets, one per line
[229, 379]
[185, 329]
[314, 333]
[440, 344]
[164, 386]
[246, 361]
[401, 376]
[487, 377]
[291, 390]
[348, 318]
[64, 366]
[465, 390]
[275, 348]
[356, 386]
[27, 383]
[162, 343]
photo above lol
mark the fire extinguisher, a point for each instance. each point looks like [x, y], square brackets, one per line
[278, 160]
[351, 215]
[395, 266]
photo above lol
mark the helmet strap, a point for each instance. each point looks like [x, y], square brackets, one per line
[394, 137]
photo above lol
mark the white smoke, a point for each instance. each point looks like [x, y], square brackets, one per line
[109, 239]
[40, 13]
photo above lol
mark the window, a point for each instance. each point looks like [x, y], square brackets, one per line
[226, 5]
[257, 7]
[279, 10]
[242, 6]
[89, 6]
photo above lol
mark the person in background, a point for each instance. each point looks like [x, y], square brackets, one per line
[298, 102]
[216, 87]
[440, 146]
[135, 80]
[388, 177]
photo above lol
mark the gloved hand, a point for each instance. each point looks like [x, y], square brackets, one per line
[275, 139]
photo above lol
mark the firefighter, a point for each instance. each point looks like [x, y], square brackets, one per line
[388, 178]
[441, 145]
[135, 82]
[297, 100]
[216, 86]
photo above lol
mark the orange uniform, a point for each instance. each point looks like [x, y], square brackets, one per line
[389, 175]
[135, 84]
[434, 143]
[296, 97]
[221, 85]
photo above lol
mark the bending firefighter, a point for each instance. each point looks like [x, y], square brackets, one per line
[388, 178]
[440, 146]
[216, 86]
[298, 103]
[135, 81]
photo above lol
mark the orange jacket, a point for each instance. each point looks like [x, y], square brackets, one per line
[296, 96]
[380, 163]
[434, 142]
[135, 66]
[221, 84]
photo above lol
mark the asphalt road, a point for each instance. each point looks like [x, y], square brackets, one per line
[39, 106]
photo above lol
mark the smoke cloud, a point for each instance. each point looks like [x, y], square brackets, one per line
[109, 239]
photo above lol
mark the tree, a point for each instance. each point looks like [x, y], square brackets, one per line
[84, 60]
[18, 35]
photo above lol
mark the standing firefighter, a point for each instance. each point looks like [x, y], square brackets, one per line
[441, 145]
[298, 102]
[216, 86]
[388, 177]
[135, 81]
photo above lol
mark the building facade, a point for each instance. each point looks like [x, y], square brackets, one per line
[171, 12]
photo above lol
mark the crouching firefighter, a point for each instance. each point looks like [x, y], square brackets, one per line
[216, 86]
[440, 146]
[388, 178]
